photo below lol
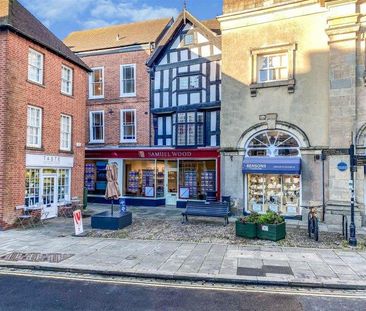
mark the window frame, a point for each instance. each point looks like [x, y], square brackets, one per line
[189, 77]
[41, 69]
[268, 68]
[122, 93]
[39, 145]
[122, 139]
[70, 93]
[70, 133]
[186, 123]
[194, 37]
[91, 96]
[91, 140]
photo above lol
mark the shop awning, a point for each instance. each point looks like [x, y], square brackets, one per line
[267, 165]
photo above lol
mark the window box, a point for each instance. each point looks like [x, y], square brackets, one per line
[246, 230]
[271, 232]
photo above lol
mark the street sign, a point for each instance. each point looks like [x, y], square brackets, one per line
[360, 160]
[78, 222]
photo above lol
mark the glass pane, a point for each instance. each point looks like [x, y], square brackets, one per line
[190, 117]
[188, 39]
[191, 134]
[262, 75]
[183, 83]
[194, 82]
[181, 134]
[263, 61]
[181, 117]
[199, 116]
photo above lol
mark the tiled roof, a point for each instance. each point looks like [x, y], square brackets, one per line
[213, 25]
[15, 17]
[117, 36]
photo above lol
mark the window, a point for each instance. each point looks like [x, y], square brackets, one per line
[63, 185]
[188, 39]
[272, 67]
[97, 126]
[32, 187]
[189, 128]
[128, 80]
[189, 82]
[65, 133]
[34, 127]
[128, 125]
[35, 66]
[96, 83]
[66, 80]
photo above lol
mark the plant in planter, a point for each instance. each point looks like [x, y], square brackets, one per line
[246, 226]
[271, 226]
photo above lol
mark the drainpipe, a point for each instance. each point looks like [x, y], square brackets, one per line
[323, 158]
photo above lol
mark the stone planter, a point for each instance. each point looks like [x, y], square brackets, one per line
[271, 232]
[247, 230]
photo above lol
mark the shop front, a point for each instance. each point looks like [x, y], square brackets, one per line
[154, 177]
[48, 181]
[272, 172]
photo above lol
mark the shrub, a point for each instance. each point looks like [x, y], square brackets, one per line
[271, 218]
[252, 218]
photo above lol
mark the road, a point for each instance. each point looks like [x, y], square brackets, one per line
[39, 291]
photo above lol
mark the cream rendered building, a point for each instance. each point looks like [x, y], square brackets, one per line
[293, 94]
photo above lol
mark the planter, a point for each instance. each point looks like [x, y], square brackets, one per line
[271, 232]
[247, 230]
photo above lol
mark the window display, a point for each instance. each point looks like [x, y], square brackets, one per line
[96, 176]
[279, 193]
[139, 178]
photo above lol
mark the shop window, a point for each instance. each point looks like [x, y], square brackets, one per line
[65, 133]
[34, 127]
[32, 181]
[96, 176]
[273, 144]
[66, 80]
[128, 125]
[96, 83]
[196, 178]
[189, 128]
[97, 126]
[63, 185]
[128, 80]
[35, 66]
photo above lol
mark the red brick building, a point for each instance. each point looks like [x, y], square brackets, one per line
[118, 107]
[42, 114]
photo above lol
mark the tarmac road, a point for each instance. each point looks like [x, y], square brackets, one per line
[21, 290]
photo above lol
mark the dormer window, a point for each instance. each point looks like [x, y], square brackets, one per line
[188, 39]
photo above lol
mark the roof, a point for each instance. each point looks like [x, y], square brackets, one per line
[211, 28]
[117, 36]
[16, 18]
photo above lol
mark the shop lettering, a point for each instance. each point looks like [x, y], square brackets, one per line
[256, 166]
[51, 159]
[166, 154]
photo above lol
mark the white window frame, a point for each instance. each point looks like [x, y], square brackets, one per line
[91, 140]
[91, 96]
[268, 68]
[41, 68]
[39, 145]
[65, 82]
[122, 93]
[193, 39]
[69, 141]
[122, 126]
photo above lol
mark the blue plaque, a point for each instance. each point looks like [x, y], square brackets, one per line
[342, 166]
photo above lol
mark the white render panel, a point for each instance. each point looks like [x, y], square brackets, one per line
[187, 27]
[157, 80]
[204, 96]
[168, 125]
[174, 73]
[212, 93]
[219, 65]
[166, 99]
[173, 57]
[176, 43]
[156, 100]
[194, 67]
[206, 51]
[213, 71]
[194, 53]
[204, 68]
[160, 126]
[183, 69]
[174, 85]
[160, 142]
[220, 91]
[168, 141]
[182, 99]
[216, 51]
[183, 55]
[166, 79]
[213, 140]
[213, 115]
[164, 60]
[174, 99]
[195, 98]
[204, 82]
[201, 38]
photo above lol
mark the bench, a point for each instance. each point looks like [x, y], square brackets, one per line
[207, 209]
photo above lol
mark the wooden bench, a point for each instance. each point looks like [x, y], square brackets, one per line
[207, 209]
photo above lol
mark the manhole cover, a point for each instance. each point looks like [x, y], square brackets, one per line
[36, 257]
[131, 257]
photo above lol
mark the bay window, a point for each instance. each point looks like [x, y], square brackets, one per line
[189, 128]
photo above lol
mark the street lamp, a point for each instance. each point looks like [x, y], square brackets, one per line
[353, 167]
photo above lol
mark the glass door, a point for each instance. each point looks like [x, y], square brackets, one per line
[171, 181]
[49, 195]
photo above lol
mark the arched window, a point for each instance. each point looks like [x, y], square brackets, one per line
[273, 143]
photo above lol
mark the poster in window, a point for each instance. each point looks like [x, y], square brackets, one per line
[184, 192]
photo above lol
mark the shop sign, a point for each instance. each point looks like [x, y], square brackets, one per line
[276, 165]
[342, 166]
[165, 154]
[44, 160]
[78, 222]
[335, 152]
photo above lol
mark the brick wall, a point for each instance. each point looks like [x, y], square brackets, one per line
[53, 103]
[113, 103]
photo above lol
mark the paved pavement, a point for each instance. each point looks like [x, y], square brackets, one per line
[62, 292]
[181, 260]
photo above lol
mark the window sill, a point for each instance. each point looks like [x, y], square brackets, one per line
[127, 95]
[66, 151]
[67, 95]
[96, 142]
[96, 98]
[36, 83]
[34, 148]
[128, 142]
[289, 83]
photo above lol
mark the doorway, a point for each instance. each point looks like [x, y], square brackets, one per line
[49, 195]
[171, 182]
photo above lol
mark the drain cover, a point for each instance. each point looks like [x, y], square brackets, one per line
[264, 270]
[131, 257]
[36, 257]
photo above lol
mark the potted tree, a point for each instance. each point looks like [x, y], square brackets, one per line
[246, 226]
[271, 226]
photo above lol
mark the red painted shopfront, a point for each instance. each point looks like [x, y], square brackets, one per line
[153, 177]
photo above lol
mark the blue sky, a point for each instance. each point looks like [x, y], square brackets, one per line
[65, 16]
